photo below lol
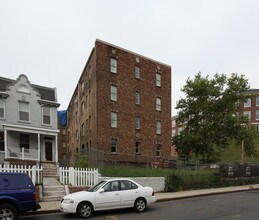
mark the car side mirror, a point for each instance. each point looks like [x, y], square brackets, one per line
[101, 190]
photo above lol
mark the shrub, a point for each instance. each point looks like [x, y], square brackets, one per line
[82, 162]
[173, 183]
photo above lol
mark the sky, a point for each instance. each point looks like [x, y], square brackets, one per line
[50, 40]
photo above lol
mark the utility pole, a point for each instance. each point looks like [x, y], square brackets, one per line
[243, 152]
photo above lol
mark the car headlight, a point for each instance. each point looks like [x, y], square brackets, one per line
[68, 201]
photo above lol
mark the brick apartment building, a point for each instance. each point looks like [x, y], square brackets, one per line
[250, 108]
[120, 111]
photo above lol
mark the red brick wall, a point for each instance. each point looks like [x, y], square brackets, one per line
[97, 70]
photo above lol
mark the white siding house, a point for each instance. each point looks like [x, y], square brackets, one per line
[28, 121]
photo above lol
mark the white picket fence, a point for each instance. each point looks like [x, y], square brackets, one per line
[78, 176]
[34, 172]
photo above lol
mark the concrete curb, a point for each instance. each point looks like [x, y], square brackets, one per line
[53, 207]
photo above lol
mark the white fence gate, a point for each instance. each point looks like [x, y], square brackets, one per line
[34, 172]
[78, 176]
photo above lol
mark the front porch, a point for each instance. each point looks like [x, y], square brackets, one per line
[29, 143]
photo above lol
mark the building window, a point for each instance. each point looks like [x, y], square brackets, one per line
[2, 109]
[158, 79]
[82, 107]
[77, 135]
[137, 72]
[158, 127]
[257, 115]
[173, 123]
[137, 122]
[89, 97]
[137, 148]
[180, 130]
[113, 65]
[46, 116]
[257, 101]
[137, 98]
[173, 132]
[158, 150]
[82, 86]
[90, 123]
[25, 142]
[247, 114]
[247, 103]
[1, 141]
[113, 146]
[113, 119]
[83, 129]
[158, 104]
[114, 93]
[24, 111]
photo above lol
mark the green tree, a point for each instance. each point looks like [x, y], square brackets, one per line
[210, 116]
[82, 161]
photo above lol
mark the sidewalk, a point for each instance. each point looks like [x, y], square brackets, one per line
[165, 196]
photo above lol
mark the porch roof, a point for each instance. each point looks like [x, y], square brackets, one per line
[28, 129]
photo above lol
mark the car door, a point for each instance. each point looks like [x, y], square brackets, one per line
[129, 192]
[108, 197]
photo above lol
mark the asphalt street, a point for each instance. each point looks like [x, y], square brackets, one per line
[240, 206]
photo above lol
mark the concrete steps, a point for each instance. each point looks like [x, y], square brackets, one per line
[52, 189]
[49, 170]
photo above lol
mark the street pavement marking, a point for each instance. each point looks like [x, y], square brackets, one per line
[215, 200]
[236, 216]
[177, 205]
[112, 217]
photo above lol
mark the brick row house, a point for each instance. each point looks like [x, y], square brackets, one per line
[28, 122]
[120, 111]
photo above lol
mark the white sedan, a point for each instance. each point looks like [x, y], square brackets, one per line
[108, 194]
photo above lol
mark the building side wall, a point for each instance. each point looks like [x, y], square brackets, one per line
[126, 133]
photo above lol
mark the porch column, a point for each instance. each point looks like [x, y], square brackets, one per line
[39, 159]
[56, 147]
[5, 143]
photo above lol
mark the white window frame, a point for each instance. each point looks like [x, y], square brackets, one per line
[137, 122]
[42, 115]
[114, 93]
[137, 72]
[158, 79]
[158, 127]
[19, 111]
[247, 103]
[137, 98]
[114, 117]
[137, 147]
[114, 144]
[113, 65]
[158, 104]
[257, 115]
[257, 101]
[248, 113]
[158, 150]
[2, 106]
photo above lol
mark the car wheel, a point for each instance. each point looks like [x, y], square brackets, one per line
[85, 210]
[140, 205]
[8, 211]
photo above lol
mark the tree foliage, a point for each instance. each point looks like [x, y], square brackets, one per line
[210, 116]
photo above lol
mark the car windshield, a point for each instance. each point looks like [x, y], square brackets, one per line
[96, 187]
